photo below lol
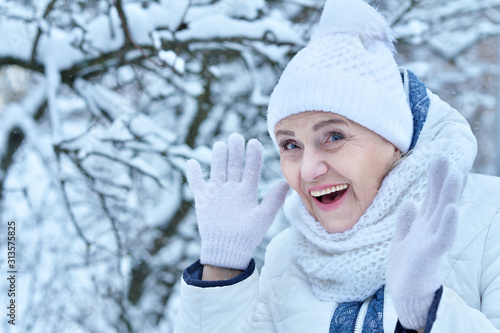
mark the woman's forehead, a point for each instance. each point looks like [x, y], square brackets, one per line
[313, 119]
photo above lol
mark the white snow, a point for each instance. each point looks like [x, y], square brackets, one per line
[220, 26]
[241, 8]
[412, 30]
[173, 60]
[101, 98]
[53, 83]
[56, 47]
[16, 38]
[104, 33]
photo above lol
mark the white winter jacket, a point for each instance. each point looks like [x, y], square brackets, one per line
[280, 300]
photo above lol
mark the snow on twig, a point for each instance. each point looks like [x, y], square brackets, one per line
[53, 83]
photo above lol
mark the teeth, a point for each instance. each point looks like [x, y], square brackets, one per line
[329, 190]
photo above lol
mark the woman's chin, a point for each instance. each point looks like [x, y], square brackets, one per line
[333, 216]
[337, 227]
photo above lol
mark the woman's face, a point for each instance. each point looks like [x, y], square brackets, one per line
[334, 164]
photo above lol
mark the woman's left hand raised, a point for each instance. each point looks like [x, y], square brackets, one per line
[420, 242]
[231, 220]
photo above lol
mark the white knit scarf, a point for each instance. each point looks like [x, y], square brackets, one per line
[351, 265]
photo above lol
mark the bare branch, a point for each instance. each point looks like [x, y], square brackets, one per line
[402, 14]
[128, 36]
[46, 13]
[133, 167]
[79, 230]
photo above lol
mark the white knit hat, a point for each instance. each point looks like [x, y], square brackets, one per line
[347, 68]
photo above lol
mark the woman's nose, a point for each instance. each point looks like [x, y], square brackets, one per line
[313, 166]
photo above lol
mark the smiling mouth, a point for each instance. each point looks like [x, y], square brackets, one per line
[331, 194]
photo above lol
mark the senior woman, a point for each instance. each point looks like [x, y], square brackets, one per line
[389, 231]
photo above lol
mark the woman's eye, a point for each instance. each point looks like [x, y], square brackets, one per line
[335, 137]
[290, 146]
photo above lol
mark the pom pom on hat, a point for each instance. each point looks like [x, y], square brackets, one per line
[356, 17]
[347, 68]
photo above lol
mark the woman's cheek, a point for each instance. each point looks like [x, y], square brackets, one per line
[291, 171]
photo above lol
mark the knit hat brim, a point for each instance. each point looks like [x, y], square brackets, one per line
[347, 68]
[351, 96]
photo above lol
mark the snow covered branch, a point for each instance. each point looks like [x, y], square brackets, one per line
[115, 96]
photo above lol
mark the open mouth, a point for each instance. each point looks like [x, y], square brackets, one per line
[331, 194]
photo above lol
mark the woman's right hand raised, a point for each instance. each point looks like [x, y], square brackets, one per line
[231, 221]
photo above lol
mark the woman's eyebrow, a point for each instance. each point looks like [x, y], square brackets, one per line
[284, 132]
[327, 122]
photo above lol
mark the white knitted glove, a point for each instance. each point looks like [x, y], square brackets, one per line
[230, 220]
[420, 241]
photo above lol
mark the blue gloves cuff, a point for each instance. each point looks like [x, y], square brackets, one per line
[192, 276]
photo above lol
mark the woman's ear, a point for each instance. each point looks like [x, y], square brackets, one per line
[398, 157]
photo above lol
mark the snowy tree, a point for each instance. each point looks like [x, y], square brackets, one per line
[453, 47]
[117, 96]
[103, 102]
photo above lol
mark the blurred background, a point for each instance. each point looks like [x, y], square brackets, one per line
[102, 102]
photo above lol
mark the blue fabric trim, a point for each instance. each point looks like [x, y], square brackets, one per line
[401, 329]
[431, 315]
[344, 317]
[374, 320]
[419, 105]
[192, 276]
